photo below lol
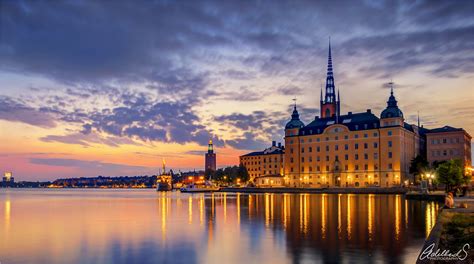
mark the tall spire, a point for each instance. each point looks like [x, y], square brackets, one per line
[330, 88]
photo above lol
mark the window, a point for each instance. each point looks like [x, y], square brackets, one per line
[356, 127]
[356, 167]
[376, 167]
[291, 150]
[366, 135]
[390, 132]
[346, 167]
[366, 156]
[302, 150]
[310, 149]
[291, 170]
[346, 137]
[376, 155]
[327, 148]
[356, 136]
[291, 160]
[346, 157]
[318, 149]
[302, 159]
[356, 156]
[390, 166]
[346, 147]
[366, 145]
[375, 134]
[327, 168]
[445, 153]
[356, 146]
[337, 138]
[444, 140]
[375, 145]
[310, 168]
[317, 158]
[389, 143]
[337, 158]
[327, 158]
[336, 147]
[318, 168]
[389, 154]
[318, 139]
[302, 169]
[366, 166]
[310, 159]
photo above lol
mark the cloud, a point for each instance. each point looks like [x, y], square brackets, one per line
[15, 111]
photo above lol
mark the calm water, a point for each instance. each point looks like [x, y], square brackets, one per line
[143, 226]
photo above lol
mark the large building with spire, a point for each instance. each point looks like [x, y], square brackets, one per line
[353, 149]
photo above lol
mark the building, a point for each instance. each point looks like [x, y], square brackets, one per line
[447, 143]
[210, 158]
[351, 150]
[8, 180]
[268, 162]
[354, 149]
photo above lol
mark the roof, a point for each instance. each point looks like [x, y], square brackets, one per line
[444, 129]
[259, 153]
[354, 121]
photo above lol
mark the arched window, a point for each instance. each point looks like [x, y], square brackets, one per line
[328, 112]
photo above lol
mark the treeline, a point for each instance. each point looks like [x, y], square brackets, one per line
[101, 181]
[230, 174]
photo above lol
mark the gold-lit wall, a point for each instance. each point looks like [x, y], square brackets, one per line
[340, 157]
[262, 165]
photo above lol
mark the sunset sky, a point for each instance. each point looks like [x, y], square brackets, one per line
[110, 88]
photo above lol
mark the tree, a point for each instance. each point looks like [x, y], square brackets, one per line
[418, 166]
[451, 174]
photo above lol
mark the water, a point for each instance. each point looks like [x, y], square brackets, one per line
[143, 226]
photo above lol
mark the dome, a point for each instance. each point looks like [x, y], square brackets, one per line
[392, 109]
[391, 112]
[295, 121]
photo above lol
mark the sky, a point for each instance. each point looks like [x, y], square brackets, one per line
[111, 88]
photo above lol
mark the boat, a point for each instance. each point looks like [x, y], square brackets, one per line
[164, 181]
[195, 188]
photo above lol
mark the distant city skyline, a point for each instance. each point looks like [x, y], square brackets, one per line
[101, 88]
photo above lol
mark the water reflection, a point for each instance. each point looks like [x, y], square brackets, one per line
[147, 227]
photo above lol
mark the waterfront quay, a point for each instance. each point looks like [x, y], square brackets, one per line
[391, 190]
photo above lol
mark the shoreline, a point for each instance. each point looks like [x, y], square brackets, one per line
[373, 190]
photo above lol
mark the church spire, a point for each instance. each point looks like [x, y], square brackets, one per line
[330, 89]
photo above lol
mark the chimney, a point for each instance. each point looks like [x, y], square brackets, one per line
[273, 143]
[349, 113]
[279, 144]
[369, 111]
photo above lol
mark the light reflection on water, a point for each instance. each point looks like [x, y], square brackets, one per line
[143, 226]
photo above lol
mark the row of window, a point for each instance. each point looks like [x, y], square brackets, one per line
[444, 152]
[366, 135]
[436, 141]
[346, 168]
[346, 147]
[346, 157]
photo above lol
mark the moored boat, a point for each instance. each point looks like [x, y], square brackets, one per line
[194, 188]
[164, 181]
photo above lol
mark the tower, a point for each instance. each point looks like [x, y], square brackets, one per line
[330, 105]
[391, 115]
[210, 158]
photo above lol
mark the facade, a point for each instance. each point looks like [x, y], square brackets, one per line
[210, 158]
[270, 181]
[447, 143]
[264, 163]
[351, 150]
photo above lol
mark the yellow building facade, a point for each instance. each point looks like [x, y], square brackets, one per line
[264, 163]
